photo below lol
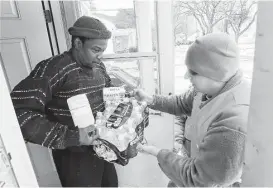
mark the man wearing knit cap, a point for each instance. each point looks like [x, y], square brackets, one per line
[212, 153]
[40, 102]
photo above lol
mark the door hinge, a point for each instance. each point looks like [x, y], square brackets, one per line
[9, 156]
[2, 183]
[48, 16]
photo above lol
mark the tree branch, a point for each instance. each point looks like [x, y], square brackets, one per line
[250, 23]
[252, 4]
[199, 22]
[217, 21]
[233, 28]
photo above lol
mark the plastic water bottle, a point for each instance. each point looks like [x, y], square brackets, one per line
[113, 93]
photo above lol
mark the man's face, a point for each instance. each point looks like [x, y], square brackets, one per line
[91, 50]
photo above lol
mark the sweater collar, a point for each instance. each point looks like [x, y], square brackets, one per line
[231, 83]
[70, 53]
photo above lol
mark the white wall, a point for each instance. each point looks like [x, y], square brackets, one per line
[259, 154]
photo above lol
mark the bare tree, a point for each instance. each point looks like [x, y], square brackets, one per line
[240, 16]
[179, 18]
[207, 13]
[125, 19]
[86, 7]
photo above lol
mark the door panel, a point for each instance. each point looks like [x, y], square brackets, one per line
[19, 65]
[15, 165]
[10, 10]
[25, 20]
[24, 43]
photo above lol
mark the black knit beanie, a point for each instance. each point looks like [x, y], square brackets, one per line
[90, 28]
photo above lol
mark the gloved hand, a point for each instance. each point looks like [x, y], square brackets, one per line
[148, 149]
[141, 95]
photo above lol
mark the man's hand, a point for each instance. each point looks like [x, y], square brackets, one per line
[88, 135]
[141, 95]
[148, 149]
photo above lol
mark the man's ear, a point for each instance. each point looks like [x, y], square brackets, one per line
[78, 44]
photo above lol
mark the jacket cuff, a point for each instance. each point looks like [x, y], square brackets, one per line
[72, 139]
[161, 156]
[153, 102]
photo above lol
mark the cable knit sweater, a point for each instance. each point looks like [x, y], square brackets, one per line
[217, 137]
[40, 100]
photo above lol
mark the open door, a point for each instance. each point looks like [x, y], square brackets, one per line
[15, 165]
[24, 43]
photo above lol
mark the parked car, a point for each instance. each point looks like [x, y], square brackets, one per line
[120, 77]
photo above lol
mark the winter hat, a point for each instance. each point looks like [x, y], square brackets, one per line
[90, 28]
[215, 56]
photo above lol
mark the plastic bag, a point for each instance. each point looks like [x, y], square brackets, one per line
[121, 128]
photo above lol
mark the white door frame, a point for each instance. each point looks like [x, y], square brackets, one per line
[165, 40]
[20, 160]
[260, 153]
[45, 170]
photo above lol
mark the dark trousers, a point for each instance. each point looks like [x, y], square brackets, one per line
[84, 169]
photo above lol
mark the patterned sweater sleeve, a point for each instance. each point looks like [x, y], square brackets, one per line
[30, 98]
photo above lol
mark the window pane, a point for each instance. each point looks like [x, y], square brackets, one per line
[127, 72]
[119, 16]
[237, 18]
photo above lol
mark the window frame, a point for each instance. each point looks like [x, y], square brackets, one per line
[164, 54]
